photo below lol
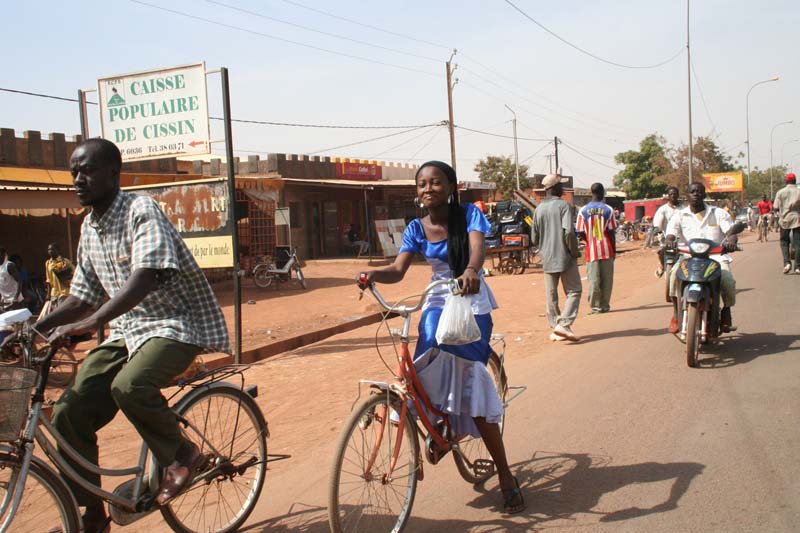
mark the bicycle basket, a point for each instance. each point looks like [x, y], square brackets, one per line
[15, 393]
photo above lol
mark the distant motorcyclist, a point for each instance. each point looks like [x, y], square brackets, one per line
[702, 221]
[765, 209]
[661, 220]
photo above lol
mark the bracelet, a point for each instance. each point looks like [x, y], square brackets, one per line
[468, 267]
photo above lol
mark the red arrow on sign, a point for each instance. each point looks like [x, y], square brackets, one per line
[196, 143]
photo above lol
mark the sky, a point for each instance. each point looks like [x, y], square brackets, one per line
[367, 63]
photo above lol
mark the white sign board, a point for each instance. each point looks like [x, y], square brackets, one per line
[155, 114]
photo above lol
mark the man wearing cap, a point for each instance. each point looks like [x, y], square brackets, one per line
[552, 232]
[787, 203]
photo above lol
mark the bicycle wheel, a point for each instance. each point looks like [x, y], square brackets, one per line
[46, 501]
[62, 368]
[370, 501]
[300, 278]
[473, 460]
[232, 422]
[261, 276]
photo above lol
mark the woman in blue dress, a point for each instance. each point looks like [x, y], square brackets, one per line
[455, 378]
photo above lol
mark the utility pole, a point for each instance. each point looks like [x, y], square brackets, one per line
[689, 87]
[516, 152]
[555, 142]
[450, 110]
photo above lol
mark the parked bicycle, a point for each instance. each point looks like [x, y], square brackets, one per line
[21, 349]
[220, 417]
[377, 461]
[268, 272]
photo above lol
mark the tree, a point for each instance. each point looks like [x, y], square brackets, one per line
[706, 157]
[640, 177]
[500, 170]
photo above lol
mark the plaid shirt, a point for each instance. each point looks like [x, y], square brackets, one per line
[133, 234]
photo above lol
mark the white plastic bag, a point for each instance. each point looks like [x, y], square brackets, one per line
[457, 324]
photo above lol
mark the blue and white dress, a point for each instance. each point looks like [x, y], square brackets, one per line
[455, 377]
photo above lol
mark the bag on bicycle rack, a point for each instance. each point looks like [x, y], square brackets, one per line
[457, 324]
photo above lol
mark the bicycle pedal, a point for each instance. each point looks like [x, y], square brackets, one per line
[484, 467]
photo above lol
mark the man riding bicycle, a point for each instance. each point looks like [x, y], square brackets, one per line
[162, 314]
[764, 217]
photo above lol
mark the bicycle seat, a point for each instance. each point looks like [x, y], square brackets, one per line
[9, 318]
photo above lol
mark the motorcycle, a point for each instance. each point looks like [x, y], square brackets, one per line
[265, 273]
[699, 279]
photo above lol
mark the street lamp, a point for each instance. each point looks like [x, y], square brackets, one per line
[516, 152]
[747, 119]
[770, 153]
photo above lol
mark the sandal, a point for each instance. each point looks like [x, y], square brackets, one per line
[509, 496]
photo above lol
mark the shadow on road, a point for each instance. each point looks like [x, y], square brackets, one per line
[557, 486]
[743, 348]
[637, 332]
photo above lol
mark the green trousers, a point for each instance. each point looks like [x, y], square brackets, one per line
[601, 281]
[106, 383]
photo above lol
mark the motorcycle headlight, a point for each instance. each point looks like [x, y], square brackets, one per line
[699, 247]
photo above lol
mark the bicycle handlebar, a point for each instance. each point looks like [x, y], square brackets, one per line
[453, 284]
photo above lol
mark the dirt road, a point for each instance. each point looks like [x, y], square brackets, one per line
[614, 433]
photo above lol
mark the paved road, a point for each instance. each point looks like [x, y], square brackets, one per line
[617, 434]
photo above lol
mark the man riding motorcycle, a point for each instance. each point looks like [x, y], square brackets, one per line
[661, 220]
[702, 221]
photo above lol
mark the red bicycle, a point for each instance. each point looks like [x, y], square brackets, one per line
[378, 462]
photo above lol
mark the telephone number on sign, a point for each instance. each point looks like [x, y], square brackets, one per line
[172, 147]
[132, 151]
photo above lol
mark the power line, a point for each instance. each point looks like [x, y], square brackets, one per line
[500, 135]
[246, 121]
[536, 152]
[579, 49]
[376, 28]
[327, 126]
[543, 97]
[702, 97]
[590, 151]
[429, 141]
[365, 141]
[383, 30]
[321, 32]
[395, 147]
[589, 158]
[281, 39]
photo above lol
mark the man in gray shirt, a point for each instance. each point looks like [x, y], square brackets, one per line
[553, 234]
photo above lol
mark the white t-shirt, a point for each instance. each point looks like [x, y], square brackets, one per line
[713, 225]
[8, 285]
[663, 215]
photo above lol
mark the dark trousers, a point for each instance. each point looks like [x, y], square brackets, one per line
[794, 236]
[106, 383]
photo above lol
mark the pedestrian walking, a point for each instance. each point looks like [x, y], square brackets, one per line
[787, 203]
[596, 226]
[58, 272]
[553, 233]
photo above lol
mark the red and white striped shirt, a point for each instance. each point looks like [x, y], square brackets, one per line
[596, 221]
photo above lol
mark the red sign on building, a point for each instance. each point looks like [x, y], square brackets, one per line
[358, 171]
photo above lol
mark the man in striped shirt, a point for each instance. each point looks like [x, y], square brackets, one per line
[596, 225]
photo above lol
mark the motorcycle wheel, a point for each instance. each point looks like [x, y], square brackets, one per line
[261, 276]
[300, 278]
[692, 334]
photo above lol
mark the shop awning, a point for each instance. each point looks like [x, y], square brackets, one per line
[37, 201]
[35, 175]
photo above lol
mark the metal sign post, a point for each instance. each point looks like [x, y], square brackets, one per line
[237, 288]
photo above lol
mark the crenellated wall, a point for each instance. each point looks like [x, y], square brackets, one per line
[52, 151]
[295, 166]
